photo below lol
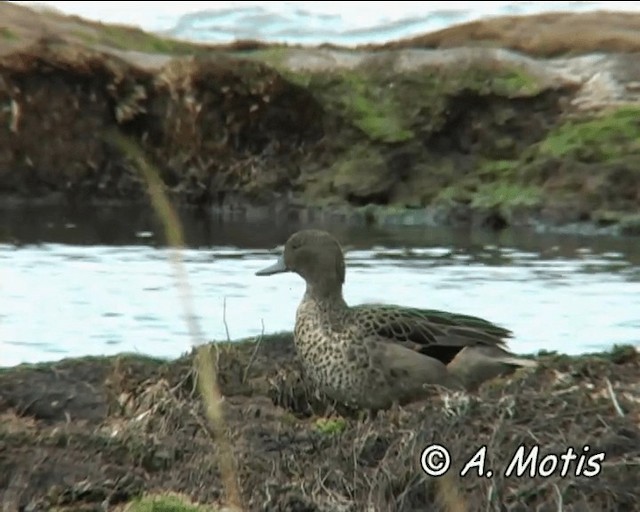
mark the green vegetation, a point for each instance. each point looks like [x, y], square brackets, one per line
[166, 503]
[129, 38]
[124, 357]
[375, 111]
[330, 426]
[390, 106]
[494, 184]
[274, 56]
[372, 102]
[606, 139]
[505, 194]
[360, 171]
[133, 39]
[514, 82]
[599, 139]
[630, 225]
[7, 34]
[498, 169]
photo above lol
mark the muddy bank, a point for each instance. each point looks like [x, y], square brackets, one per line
[462, 136]
[88, 433]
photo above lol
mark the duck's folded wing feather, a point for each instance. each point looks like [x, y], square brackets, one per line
[439, 334]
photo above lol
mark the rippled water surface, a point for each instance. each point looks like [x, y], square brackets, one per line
[100, 282]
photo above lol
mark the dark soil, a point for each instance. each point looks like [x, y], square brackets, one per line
[88, 433]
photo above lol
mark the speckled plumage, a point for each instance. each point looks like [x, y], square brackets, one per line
[371, 356]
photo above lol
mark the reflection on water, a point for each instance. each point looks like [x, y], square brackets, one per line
[99, 282]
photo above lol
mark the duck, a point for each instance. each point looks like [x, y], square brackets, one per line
[375, 356]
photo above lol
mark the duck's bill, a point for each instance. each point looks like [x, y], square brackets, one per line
[277, 268]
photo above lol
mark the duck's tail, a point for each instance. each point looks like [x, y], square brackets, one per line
[474, 365]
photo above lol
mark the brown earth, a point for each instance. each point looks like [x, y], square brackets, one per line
[458, 135]
[543, 35]
[89, 433]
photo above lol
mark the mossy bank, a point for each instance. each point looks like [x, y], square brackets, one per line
[130, 433]
[460, 135]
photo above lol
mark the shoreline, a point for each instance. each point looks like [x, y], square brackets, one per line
[285, 337]
[447, 135]
[84, 432]
[370, 215]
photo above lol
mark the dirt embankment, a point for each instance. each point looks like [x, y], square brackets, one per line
[541, 35]
[460, 135]
[92, 433]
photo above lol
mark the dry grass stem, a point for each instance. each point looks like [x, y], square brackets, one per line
[204, 366]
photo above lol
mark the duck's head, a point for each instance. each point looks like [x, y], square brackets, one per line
[314, 255]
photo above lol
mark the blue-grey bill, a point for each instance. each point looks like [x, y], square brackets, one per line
[278, 267]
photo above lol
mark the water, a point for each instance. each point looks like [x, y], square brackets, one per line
[98, 281]
[344, 23]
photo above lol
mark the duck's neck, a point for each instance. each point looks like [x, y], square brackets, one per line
[327, 294]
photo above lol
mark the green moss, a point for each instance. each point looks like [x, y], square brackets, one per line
[516, 82]
[375, 111]
[7, 34]
[125, 357]
[392, 107]
[618, 354]
[274, 56]
[489, 77]
[494, 184]
[330, 426]
[168, 503]
[361, 171]
[277, 337]
[505, 194]
[460, 192]
[596, 140]
[630, 225]
[498, 169]
[367, 100]
[86, 37]
[129, 38]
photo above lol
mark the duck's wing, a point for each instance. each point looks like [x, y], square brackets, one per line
[439, 334]
[403, 375]
[476, 364]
